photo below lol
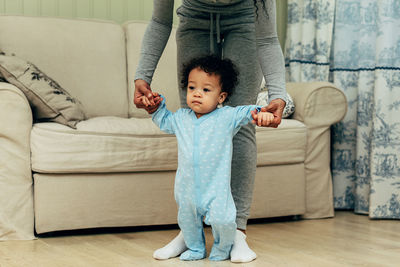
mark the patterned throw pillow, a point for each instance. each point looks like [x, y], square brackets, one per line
[48, 100]
[262, 100]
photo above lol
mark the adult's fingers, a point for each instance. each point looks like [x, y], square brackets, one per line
[142, 88]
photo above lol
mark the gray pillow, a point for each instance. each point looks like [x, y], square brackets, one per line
[48, 100]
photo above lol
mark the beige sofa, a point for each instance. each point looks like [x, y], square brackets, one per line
[117, 168]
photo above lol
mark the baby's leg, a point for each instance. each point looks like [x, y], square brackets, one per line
[224, 234]
[222, 221]
[192, 228]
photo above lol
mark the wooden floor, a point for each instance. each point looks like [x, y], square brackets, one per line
[346, 240]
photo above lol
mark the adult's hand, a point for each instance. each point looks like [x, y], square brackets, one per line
[142, 88]
[276, 107]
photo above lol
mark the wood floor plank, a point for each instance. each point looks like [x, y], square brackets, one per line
[346, 240]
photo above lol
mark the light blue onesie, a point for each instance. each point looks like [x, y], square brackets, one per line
[202, 182]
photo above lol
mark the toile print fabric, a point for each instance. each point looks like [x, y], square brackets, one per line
[309, 37]
[356, 45]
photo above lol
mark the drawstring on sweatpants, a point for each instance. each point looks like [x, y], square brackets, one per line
[218, 31]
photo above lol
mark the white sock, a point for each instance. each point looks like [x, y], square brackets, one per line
[172, 249]
[240, 251]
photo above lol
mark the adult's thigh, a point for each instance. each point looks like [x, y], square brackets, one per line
[240, 47]
[192, 40]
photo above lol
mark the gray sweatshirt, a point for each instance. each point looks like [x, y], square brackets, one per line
[269, 51]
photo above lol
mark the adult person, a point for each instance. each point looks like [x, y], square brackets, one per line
[245, 32]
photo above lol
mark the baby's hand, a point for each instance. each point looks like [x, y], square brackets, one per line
[152, 108]
[262, 118]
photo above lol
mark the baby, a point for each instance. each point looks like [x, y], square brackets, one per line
[204, 132]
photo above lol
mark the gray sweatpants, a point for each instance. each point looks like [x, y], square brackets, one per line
[230, 36]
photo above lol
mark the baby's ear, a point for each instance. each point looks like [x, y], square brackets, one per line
[222, 97]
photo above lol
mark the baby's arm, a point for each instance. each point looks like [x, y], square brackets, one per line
[262, 118]
[164, 118]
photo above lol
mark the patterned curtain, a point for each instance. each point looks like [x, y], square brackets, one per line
[309, 38]
[356, 45]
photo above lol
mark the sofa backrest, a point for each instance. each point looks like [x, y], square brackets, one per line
[86, 57]
[165, 76]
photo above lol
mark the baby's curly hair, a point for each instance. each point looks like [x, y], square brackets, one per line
[212, 64]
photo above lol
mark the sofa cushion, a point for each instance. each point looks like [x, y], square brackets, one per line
[49, 101]
[86, 56]
[112, 144]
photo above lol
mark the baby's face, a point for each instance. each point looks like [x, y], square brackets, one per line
[203, 92]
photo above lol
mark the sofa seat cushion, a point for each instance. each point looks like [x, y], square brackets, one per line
[113, 144]
[102, 144]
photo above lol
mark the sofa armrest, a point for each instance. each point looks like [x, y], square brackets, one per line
[318, 104]
[16, 197]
